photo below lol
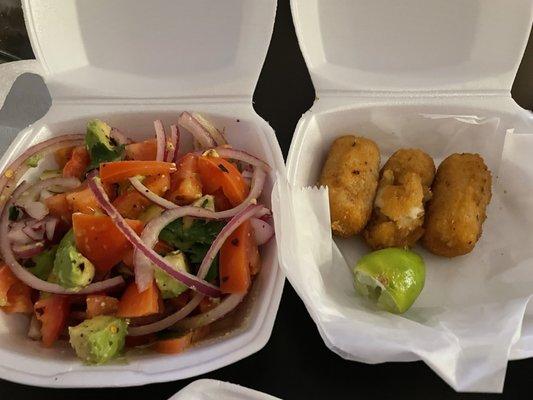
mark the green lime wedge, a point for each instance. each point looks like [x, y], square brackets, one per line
[392, 278]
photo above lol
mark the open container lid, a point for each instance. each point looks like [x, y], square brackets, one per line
[150, 49]
[412, 45]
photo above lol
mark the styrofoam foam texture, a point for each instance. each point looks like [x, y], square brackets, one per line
[209, 389]
[235, 338]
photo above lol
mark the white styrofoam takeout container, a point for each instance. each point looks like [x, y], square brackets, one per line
[373, 60]
[129, 63]
[205, 389]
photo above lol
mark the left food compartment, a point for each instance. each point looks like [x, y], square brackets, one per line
[205, 67]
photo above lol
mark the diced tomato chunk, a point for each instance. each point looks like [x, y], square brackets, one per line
[53, 312]
[114, 172]
[174, 345]
[99, 239]
[139, 304]
[78, 163]
[59, 207]
[63, 155]
[101, 305]
[185, 185]
[142, 151]
[217, 173]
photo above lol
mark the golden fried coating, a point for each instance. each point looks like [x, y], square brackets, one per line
[403, 189]
[457, 210]
[351, 174]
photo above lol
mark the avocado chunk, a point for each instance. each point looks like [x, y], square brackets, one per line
[98, 340]
[43, 263]
[101, 147]
[169, 286]
[71, 268]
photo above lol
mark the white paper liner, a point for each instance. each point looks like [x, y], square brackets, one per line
[470, 313]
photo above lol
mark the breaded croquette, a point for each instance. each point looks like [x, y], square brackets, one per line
[398, 213]
[457, 210]
[351, 174]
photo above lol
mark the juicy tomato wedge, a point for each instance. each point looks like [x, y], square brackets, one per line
[53, 312]
[132, 203]
[142, 151]
[98, 304]
[218, 173]
[63, 155]
[114, 172]
[236, 258]
[174, 345]
[7, 280]
[15, 296]
[185, 184]
[139, 304]
[78, 163]
[83, 200]
[221, 201]
[98, 239]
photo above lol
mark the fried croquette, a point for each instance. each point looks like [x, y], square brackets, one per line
[403, 189]
[457, 210]
[351, 174]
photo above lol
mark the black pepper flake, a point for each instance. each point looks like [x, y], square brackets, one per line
[238, 120]
[223, 168]
[225, 278]
[356, 172]
[235, 241]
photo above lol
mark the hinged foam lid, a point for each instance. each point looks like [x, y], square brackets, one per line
[390, 45]
[156, 48]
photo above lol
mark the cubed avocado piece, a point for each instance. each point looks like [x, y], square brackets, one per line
[207, 202]
[71, 268]
[169, 286]
[101, 147]
[99, 339]
[43, 263]
[153, 211]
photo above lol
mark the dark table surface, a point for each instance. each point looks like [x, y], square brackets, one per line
[295, 364]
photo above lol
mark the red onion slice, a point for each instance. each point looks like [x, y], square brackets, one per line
[35, 209]
[200, 134]
[263, 231]
[161, 140]
[50, 227]
[168, 321]
[154, 198]
[28, 250]
[239, 155]
[189, 280]
[215, 134]
[34, 233]
[27, 277]
[172, 142]
[175, 138]
[16, 234]
[224, 308]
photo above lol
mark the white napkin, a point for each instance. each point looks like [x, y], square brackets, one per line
[470, 312]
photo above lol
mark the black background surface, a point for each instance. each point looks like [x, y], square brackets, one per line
[295, 364]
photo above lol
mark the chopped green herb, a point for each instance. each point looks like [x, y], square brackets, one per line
[14, 213]
[33, 161]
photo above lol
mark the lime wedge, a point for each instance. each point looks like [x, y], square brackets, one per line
[392, 278]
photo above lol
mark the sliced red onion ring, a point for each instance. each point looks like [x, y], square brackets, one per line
[233, 224]
[154, 198]
[171, 144]
[239, 155]
[16, 234]
[161, 140]
[50, 227]
[28, 250]
[200, 134]
[224, 308]
[27, 277]
[168, 321]
[215, 134]
[191, 281]
[119, 137]
[34, 233]
[263, 231]
[35, 209]
[175, 138]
